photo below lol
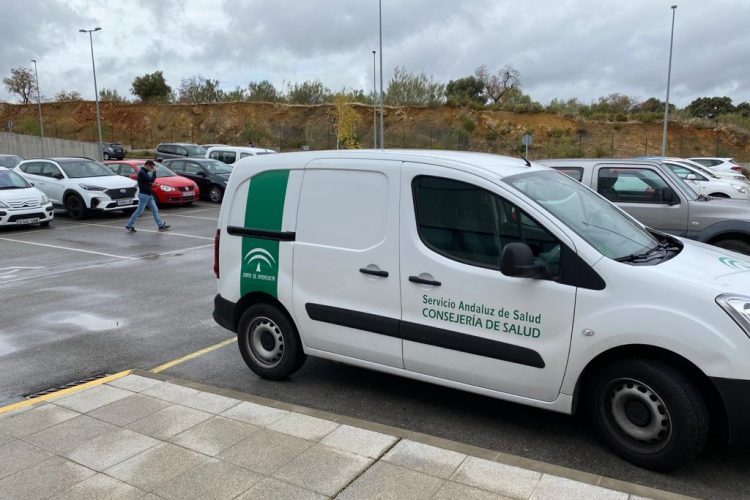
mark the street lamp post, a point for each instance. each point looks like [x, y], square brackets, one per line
[39, 105]
[669, 77]
[382, 97]
[96, 90]
[374, 104]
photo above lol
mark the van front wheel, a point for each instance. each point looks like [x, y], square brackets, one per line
[269, 343]
[648, 412]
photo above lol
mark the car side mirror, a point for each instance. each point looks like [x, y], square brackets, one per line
[691, 177]
[517, 260]
[57, 176]
[201, 174]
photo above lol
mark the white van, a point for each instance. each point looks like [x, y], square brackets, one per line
[488, 274]
[231, 154]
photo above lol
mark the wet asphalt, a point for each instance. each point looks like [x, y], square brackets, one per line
[84, 298]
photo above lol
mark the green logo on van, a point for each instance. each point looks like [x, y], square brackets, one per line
[260, 256]
[741, 265]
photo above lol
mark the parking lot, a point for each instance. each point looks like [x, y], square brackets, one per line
[85, 298]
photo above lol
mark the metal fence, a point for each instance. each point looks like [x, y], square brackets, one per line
[30, 146]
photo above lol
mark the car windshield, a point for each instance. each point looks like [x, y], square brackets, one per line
[11, 180]
[590, 216]
[196, 150]
[217, 167]
[162, 171]
[10, 161]
[76, 169]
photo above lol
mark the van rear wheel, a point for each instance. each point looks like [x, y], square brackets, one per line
[648, 412]
[269, 342]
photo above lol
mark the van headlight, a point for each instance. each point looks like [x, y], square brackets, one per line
[739, 188]
[738, 307]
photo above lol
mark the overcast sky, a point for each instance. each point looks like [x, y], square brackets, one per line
[563, 48]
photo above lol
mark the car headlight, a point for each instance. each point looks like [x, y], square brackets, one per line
[739, 188]
[166, 188]
[738, 307]
[44, 200]
[89, 187]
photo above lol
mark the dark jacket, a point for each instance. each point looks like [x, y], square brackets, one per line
[145, 179]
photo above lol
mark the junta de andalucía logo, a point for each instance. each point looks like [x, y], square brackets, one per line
[261, 258]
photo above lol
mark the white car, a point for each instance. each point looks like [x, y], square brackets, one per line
[231, 154]
[722, 164]
[22, 203]
[80, 185]
[492, 275]
[732, 175]
[707, 185]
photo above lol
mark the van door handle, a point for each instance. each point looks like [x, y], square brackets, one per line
[374, 272]
[422, 281]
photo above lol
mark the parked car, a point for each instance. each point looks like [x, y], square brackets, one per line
[10, 161]
[713, 173]
[179, 150]
[210, 175]
[22, 203]
[230, 154]
[708, 185]
[112, 150]
[491, 275]
[722, 164]
[660, 199]
[169, 188]
[80, 185]
[206, 146]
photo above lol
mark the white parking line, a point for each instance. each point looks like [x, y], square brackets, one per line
[202, 209]
[70, 249]
[82, 268]
[190, 216]
[169, 233]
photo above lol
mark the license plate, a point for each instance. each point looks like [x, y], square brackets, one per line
[125, 202]
[32, 220]
[187, 196]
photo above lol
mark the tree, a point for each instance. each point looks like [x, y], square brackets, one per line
[262, 91]
[614, 103]
[65, 95]
[111, 95]
[743, 108]
[709, 107]
[464, 91]
[497, 84]
[653, 105]
[21, 82]
[309, 92]
[407, 89]
[151, 87]
[347, 120]
[197, 89]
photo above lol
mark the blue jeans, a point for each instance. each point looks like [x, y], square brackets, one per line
[145, 200]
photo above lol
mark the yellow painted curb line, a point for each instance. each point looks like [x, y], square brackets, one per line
[190, 356]
[64, 392]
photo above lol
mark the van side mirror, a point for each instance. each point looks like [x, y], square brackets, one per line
[517, 260]
[668, 196]
[691, 177]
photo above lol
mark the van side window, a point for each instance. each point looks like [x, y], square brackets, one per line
[471, 225]
[632, 185]
[573, 172]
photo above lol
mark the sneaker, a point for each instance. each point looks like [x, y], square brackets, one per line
[163, 227]
[130, 229]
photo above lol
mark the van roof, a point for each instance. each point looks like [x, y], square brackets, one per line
[495, 165]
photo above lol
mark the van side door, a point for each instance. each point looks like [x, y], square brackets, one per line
[347, 300]
[463, 320]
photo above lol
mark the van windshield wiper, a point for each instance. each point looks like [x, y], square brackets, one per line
[660, 251]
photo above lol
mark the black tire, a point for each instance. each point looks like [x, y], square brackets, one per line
[106, 156]
[739, 246]
[215, 193]
[269, 342]
[75, 207]
[648, 412]
[44, 223]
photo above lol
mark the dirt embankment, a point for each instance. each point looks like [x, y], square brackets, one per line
[289, 127]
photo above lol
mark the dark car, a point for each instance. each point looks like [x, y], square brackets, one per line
[10, 161]
[179, 150]
[210, 175]
[113, 151]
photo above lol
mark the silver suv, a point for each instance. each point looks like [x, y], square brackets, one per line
[656, 196]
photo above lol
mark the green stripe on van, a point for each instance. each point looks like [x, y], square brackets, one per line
[264, 210]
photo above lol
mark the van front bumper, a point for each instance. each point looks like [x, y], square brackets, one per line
[224, 313]
[734, 395]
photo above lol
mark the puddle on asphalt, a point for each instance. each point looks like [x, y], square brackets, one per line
[85, 321]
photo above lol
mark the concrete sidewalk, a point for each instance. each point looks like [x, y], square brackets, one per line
[144, 435]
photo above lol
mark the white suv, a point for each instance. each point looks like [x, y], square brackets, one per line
[80, 185]
[708, 186]
[722, 164]
[22, 203]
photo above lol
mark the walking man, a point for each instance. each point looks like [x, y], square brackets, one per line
[146, 177]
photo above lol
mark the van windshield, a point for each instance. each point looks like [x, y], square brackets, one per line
[589, 215]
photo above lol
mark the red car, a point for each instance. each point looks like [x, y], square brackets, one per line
[169, 188]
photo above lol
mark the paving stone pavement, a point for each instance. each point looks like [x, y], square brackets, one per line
[142, 436]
